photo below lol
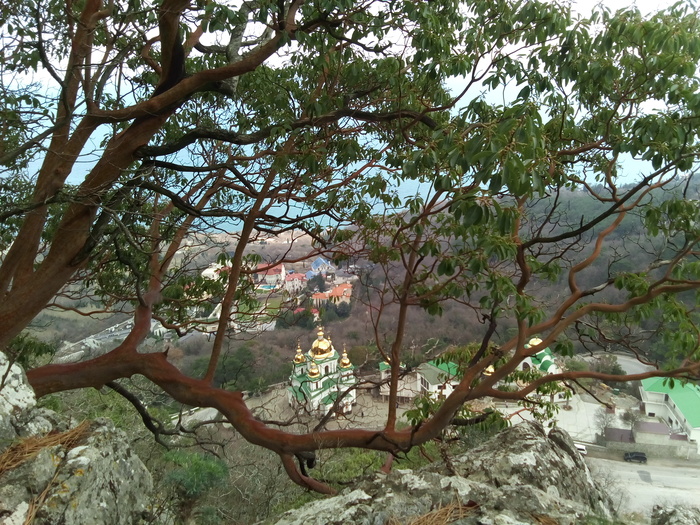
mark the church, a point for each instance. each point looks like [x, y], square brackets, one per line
[320, 377]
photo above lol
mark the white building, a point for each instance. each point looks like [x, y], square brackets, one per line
[269, 277]
[320, 377]
[542, 360]
[435, 378]
[678, 406]
[295, 282]
[407, 383]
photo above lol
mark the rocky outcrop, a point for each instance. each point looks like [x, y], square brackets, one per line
[58, 472]
[521, 476]
[675, 515]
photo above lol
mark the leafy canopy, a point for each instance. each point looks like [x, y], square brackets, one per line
[133, 132]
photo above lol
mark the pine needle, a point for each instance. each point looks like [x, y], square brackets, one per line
[440, 516]
[30, 447]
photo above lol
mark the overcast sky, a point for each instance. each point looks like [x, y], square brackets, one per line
[645, 6]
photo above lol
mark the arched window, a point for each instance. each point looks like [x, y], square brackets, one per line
[526, 366]
[327, 369]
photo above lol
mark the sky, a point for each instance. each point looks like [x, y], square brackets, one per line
[584, 7]
[645, 6]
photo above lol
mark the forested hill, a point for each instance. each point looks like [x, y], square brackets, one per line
[571, 207]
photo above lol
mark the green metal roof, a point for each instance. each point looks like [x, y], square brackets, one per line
[450, 369]
[685, 396]
[386, 366]
[543, 359]
[304, 388]
[330, 398]
[431, 373]
[297, 393]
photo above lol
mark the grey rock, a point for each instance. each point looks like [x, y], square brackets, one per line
[526, 456]
[16, 400]
[680, 515]
[353, 507]
[519, 477]
[100, 481]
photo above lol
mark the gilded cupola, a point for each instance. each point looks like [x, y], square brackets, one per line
[314, 372]
[321, 347]
[299, 357]
[345, 360]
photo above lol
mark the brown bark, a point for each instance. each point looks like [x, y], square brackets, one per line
[27, 290]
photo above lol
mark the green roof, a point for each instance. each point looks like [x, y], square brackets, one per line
[297, 393]
[386, 366]
[438, 375]
[450, 369]
[431, 373]
[685, 396]
[330, 398]
[543, 359]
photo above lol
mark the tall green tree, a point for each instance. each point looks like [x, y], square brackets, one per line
[129, 127]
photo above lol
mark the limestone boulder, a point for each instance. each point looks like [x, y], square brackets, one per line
[16, 401]
[522, 476]
[530, 467]
[676, 515]
[55, 471]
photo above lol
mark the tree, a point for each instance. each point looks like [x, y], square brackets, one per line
[343, 309]
[317, 283]
[195, 475]
[631, 417]
[604, 420]
[235, 369]
[301, 317]
[139, 132]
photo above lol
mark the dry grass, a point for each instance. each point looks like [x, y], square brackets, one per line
[441, 516]
[36, 503]
[28, 448]
[544, 520]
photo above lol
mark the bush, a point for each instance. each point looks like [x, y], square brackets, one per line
[196, 473]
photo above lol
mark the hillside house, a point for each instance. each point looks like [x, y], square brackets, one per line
[294, 282]
[339, 294]
[269, 277]
[678, 406]
[434, 379]
[214, 271]
[321, 266]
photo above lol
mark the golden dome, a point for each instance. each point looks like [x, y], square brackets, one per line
[345, 361]
[533, 342]
[299, 357]
[321, 346]
[314, 372]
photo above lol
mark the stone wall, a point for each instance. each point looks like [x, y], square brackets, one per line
[683, 449]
